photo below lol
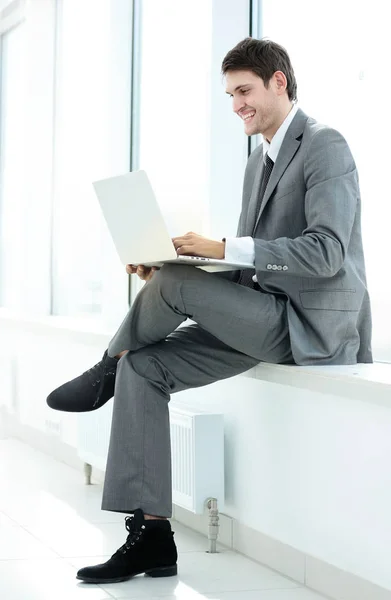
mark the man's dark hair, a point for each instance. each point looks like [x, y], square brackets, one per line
[262, 57]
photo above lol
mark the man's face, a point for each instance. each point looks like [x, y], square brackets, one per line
[252, 102]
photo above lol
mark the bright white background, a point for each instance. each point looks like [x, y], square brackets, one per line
[174, 107]
[13, 142]
[308, 469]
[92, 125]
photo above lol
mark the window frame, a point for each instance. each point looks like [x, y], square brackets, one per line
[12, 13]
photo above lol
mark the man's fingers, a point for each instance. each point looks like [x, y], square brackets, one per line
[144, 273]
[148, 275]
[130, 269]
[187, 239]
[186, 250]
[178, 242]
[139, 269]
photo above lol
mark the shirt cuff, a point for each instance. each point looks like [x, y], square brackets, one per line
[240, 249]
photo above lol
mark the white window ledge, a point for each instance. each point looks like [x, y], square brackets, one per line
[364, 382]
[86, 330]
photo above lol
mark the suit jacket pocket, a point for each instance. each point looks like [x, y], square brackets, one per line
[343, 300]
[285, 190]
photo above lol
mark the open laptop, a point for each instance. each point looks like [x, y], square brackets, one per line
[137, 226]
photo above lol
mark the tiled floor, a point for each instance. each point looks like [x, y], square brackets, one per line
[51, 524]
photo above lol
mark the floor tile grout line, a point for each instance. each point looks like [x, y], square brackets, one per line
[222, 591]
[106, 592]
[42, 542]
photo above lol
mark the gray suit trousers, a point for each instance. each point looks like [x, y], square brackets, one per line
[236, 328]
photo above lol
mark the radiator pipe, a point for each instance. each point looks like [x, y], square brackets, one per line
[213, 529]
[87, 473]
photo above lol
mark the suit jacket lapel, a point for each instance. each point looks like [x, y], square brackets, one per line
[290, 145]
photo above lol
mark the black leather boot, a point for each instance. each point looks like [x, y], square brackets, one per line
[149, 549]
[89, 391]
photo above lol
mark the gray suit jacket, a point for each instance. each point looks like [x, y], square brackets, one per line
[308, 245]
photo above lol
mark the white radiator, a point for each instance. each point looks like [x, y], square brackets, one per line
[93, 435]
[197, 449]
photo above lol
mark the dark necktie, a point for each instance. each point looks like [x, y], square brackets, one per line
[246, 277]
[267, 170]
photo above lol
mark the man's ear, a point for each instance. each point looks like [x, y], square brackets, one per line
[280, 82]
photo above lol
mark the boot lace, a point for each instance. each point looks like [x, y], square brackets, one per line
[134, 535]
[97, 375]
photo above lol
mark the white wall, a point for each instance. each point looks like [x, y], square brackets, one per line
[308, 469]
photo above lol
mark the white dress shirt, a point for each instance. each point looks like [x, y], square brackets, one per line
[242, 249]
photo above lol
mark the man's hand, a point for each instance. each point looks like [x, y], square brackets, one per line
[145, 273]
[193, 244]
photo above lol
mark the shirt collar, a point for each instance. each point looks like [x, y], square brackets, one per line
[273, 148]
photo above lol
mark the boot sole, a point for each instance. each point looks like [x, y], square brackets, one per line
[156, 572]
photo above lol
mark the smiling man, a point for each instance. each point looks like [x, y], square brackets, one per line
[305, 302]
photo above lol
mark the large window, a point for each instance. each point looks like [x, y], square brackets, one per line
[185, 134]
[12, 165]
[340, 69]
[172, 95]
[92, 141]
[65, 108]
[68, 117]
[175, 53]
